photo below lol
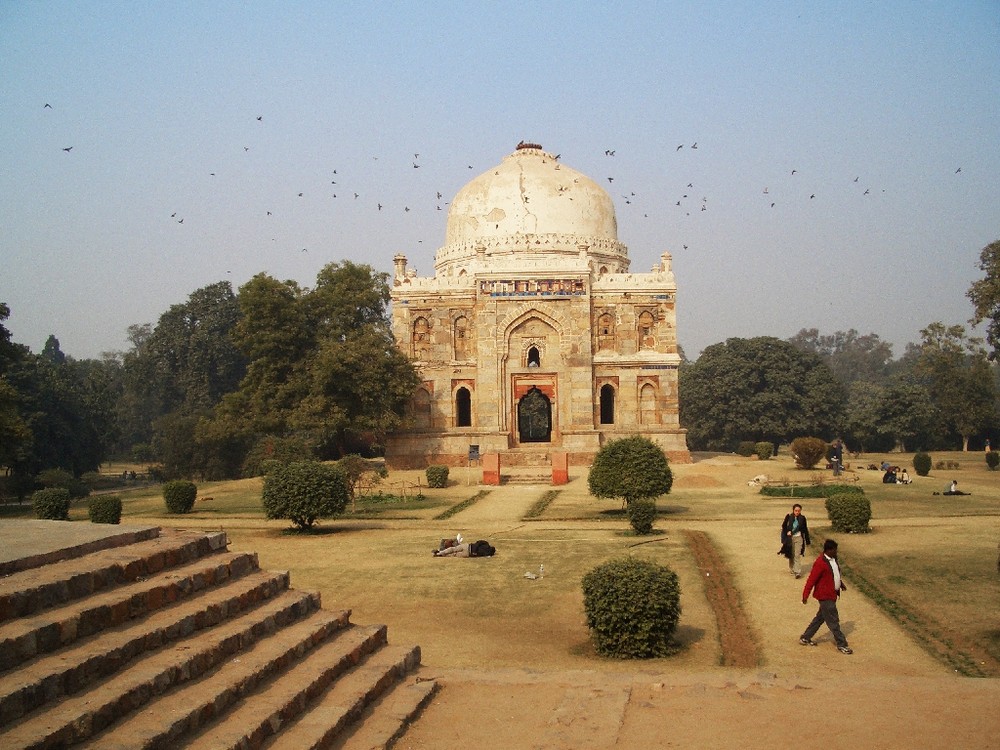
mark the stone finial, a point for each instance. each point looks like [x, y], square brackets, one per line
[399, 264]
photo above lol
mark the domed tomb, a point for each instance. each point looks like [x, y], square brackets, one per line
[533, 204]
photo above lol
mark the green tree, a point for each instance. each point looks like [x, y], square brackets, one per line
[959, 379]
[985, 296]
[758, 389]
[323, 366]
[187, 363]
[632, 468]
[899, 415]
[14, 431]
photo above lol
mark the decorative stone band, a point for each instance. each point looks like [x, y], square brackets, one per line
[552, 242]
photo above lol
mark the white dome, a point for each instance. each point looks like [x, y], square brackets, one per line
[531, 202]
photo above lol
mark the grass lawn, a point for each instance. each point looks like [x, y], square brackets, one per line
[930, 561]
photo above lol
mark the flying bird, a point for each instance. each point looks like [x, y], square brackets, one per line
[611, 179]
[379, 206]
[609, 153]
[958, 170]
[246, 148]
[406, 208]
[812, 196]
[300, 195]
[694, 145]
[47, 105]
[679, 147]
[866, 192]
[355, 196]
[260, 117]
[68, 149]
[416, 166]
[794, 171]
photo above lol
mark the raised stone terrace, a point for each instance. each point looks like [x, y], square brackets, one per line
[146, 637]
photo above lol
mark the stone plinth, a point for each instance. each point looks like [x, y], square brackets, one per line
[560, 467]
[491, 468]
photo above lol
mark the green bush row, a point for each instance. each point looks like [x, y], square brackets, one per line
[632, 608]
[51, 504]
[812, 490]
[105, 509]
[179, 495]
[641, 514]
[437, 476]
[849, 512]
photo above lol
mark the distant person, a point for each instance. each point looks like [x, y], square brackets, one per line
[987, 445]
[825, 584]
[838, 456]
[794, 539]
[889, 477]
[904, 478]
[953, 489]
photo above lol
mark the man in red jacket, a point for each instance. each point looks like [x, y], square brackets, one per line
[825, 583]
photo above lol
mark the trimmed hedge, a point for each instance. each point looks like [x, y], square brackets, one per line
[849, 512]
[105, 509]
[179, 495]
[632, 608]
[992, 460]
[812, 490]
[764, 449]
[922, 463]
[641, 515]
[745, 448]
[51, 504]
[437, 476]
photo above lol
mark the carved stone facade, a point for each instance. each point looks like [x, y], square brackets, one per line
[532, 336]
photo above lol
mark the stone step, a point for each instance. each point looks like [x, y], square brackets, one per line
[263, 638]
[246, 699]
[28, 591]
[26, 556]
[58, 626]
[345, 702]
[70, 669]
[386, 720]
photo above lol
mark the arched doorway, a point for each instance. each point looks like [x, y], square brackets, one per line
[463, 408]
[534, 417]
[607, 404]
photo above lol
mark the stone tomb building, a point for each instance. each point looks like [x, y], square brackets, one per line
[532, 336]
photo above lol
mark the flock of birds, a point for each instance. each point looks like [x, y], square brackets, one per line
[682, 200]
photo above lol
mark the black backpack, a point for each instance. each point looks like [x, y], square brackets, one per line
[481, 548]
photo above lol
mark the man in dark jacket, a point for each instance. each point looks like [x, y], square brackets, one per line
[794, 539]
[825, 584]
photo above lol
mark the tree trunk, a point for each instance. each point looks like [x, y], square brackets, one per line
[965, 443]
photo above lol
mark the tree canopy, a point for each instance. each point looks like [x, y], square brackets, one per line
[758, 389]
[985, 296]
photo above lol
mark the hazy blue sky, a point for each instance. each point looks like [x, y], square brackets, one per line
[218, 113]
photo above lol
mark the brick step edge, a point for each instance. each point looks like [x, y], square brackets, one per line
[237, 706]
[121, 604]
[81, 716]
[386, 721]
[72, 672]
[346, 702]
[78, 577]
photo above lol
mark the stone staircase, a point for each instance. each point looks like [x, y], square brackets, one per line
[173, 641]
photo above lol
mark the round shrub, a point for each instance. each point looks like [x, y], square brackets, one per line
[304, 491]
[745, 448]
[437, 476]
[763, 449]
[808, 451]
[179, 495]
[992, 460]
[105, 509]
[641, 515]
[849, 512]
[922, 463]
[51, 504]
[630, 468]
[632, 608]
